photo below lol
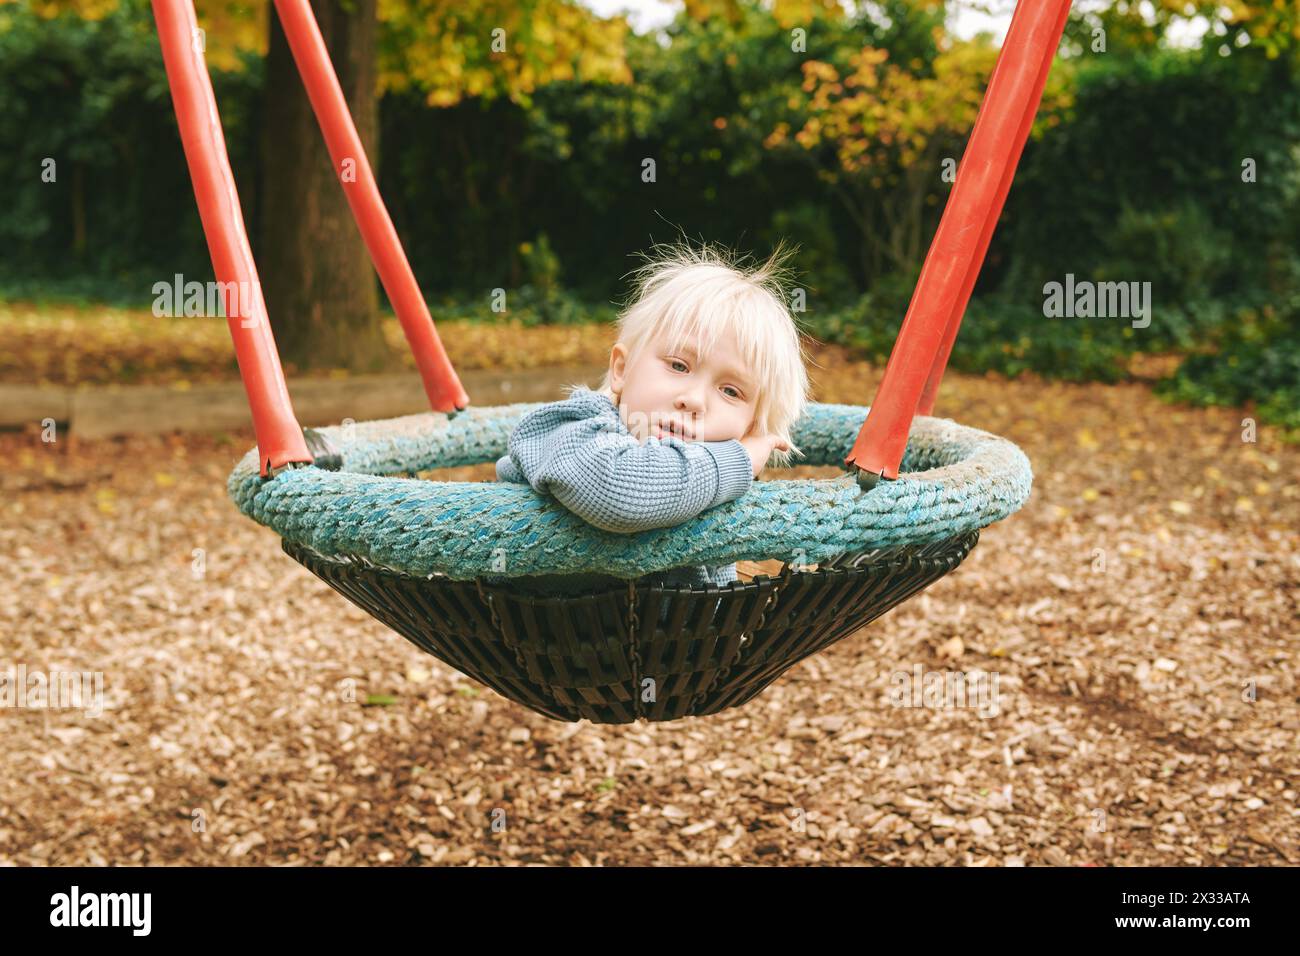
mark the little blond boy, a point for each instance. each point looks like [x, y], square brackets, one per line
[704, 385]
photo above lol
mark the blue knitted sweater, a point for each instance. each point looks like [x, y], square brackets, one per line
[580, 452]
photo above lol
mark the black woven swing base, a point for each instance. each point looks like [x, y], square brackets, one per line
[623, 652]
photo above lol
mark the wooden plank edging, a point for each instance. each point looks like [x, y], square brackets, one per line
[105, 411]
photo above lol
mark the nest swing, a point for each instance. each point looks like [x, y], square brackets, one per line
[915, 491]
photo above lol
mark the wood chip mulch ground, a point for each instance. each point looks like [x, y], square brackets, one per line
[1140, 615]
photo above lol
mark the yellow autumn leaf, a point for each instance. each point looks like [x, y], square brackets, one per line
[1180, 507]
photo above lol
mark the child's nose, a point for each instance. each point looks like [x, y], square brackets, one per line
[689, 402]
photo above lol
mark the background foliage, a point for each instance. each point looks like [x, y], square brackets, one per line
[527, 174]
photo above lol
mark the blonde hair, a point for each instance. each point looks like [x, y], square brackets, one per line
[686, 295]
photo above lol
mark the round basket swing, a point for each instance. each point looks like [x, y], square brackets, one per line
[418, 555]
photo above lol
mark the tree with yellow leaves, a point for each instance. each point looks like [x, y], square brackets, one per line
[316, 275]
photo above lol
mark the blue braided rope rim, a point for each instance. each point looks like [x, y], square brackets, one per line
[953, 479]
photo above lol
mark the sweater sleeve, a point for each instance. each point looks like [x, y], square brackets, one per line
[579, 452]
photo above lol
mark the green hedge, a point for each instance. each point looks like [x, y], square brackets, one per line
[1255, 360]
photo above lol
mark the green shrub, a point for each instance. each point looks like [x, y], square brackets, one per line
[808, 225]
[998, 336]
[541, 265]
[542, 300]
[1177, 249]
[1256, 360]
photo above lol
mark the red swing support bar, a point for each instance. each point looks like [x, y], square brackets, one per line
[441, 384]
[280, 438]
[952, 264]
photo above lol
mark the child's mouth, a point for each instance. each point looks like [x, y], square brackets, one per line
[672, 428]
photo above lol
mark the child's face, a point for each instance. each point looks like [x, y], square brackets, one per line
[665, 392]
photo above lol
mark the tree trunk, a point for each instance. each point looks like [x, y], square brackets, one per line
[319, 285]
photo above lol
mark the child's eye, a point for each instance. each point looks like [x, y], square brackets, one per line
[734, 392]
[677, 362]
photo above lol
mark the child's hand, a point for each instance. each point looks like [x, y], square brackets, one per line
[760, 448]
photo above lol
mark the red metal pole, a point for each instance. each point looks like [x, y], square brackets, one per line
[931, 392]
[441, 383]
[956, 253]
[279, 436]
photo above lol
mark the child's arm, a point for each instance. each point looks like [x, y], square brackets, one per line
[578, 451]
